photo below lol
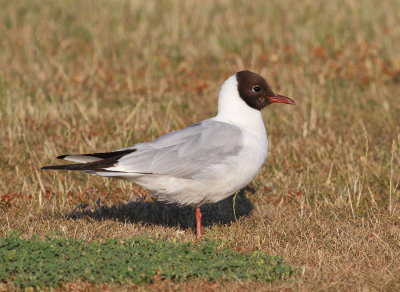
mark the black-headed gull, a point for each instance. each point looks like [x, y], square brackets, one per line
[203, 163]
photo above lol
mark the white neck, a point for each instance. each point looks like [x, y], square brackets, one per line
[233, 109]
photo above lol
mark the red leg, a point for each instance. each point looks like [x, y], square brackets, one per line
[198, 221]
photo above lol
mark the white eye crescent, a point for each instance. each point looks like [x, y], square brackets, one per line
[256, 88]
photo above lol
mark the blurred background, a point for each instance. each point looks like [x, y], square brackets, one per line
[84, 76]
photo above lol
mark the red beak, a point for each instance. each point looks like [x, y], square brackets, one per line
[281, 99]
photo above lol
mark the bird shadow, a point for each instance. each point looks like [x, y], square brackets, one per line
[159, 213]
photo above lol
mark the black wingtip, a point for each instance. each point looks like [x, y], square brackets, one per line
[54, 167]
[102, 155]
[108, 159]
[64, 167]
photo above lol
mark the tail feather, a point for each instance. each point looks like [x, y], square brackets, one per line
[80, 158]
[92, 161]
[91, 157]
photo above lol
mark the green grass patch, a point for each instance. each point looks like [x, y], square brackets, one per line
[49, 262]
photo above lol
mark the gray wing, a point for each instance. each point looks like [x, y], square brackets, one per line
[183, 153]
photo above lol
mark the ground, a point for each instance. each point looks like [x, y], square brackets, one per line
[92, 76]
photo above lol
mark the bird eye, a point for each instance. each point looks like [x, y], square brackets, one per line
[256, 88]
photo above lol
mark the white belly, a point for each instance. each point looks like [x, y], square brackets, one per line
[216, 182]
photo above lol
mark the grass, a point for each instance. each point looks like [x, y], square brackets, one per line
[100, 75]
[50, 262]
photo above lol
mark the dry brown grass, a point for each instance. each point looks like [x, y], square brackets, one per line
[82, 76]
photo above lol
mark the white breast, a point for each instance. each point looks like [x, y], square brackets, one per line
[240, 170]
